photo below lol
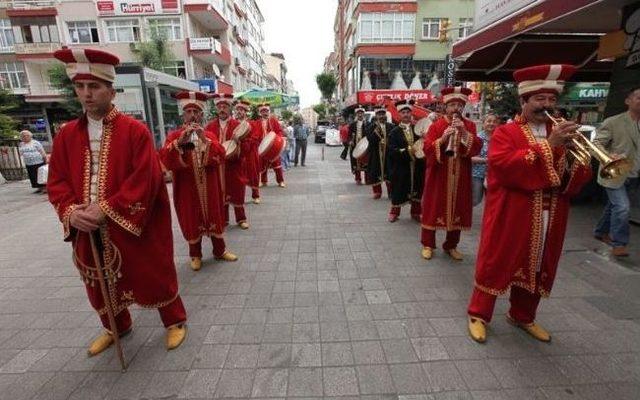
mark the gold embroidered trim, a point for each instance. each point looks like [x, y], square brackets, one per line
[446, 228]
[530, 157]
[437, 150]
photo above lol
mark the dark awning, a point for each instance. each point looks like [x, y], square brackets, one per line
[551, 31]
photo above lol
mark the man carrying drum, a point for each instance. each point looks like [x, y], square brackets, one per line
[196, 159]
[266, 124]
[357, 131]
[406, 171]
[233, 136]
[377, 166]
[252, 160]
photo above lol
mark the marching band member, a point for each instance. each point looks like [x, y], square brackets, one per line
[235, 180]
[450, 143]
[406, 172]
[196, 159]
[268, 123]
[377, 165]
[356, 132]
[530, 179]
[107, 187]
[252, 160]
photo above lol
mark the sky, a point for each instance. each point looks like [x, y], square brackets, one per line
[303, 31]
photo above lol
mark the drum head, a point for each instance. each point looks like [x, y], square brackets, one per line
[418, 147]
[422, 126]
[266, 143]
[361, 148]
[242, 130]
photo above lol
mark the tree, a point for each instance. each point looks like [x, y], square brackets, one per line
[61, 81]
[327, 84]
[502, 97]
[7, 124]
[155, 53]
[321, 110]
[286, 115]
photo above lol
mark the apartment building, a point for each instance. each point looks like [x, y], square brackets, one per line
[394, 48]
[217, 43]
[276, 70]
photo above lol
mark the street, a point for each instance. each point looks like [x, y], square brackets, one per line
[328, 299]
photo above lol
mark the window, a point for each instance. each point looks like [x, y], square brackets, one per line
[386, 28]
[12, 75]
[123, 30]
[177, 68]
[83, 32]
[431, 28]
[466, 25]
[167, 28]
[6, 36]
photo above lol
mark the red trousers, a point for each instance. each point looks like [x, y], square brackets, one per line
[238, 211]
[277, 168]
[195, 249]
[171, 314]
[523, 305]
[428, 239]
[255, 193]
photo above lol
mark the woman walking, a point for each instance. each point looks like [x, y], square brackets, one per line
[34, 157]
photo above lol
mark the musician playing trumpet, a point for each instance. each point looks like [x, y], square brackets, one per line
[196, 158]
[531, 178]
[446, 205]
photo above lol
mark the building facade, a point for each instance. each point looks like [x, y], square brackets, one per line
[218, 43]
[394, 45]
[276, 71]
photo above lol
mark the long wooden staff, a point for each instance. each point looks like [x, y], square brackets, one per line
[97, 259]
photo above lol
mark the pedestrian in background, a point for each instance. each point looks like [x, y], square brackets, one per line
[285, 156]
[301, 133]
[620, 134]
[479, 168]
[34, 157]
[344, 137]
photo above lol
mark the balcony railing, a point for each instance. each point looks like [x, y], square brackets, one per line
[36, 48]
[44, 89]
[27, 4]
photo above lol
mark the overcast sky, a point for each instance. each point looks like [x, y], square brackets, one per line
[303, 31]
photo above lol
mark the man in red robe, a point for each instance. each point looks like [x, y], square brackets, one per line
[450, 143]
[225, 129]
[106, 185]
[531, 179]
[357, 131]
[252, 160]
[196, 159]
[269, 123]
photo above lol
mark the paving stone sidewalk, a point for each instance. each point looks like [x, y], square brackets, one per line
[328, 300]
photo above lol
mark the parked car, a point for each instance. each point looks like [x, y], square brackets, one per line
[321, 131]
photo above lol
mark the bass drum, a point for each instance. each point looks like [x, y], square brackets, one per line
[360, 152]
[422, 126]
[271, 147]
[418, 149]
[231, 149]
[242, 130]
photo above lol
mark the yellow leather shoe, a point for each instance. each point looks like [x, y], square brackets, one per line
[261, 184]
[100, 344]
[477, 330]
[244, 225]
[427, 253]
[532, 329]
[257, 200]
[228, 256]
[196, 263]
[455, 254]
[175, 336]
[282, 185]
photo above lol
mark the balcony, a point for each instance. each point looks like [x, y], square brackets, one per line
[208, 13]
[223, 87]
[7, 49]
[209, 50]
[241, 37]
[30, 51]
[43, 93]
[30, 8]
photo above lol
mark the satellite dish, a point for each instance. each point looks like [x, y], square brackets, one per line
[216, 70]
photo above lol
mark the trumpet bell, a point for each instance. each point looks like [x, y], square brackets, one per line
[615, 168]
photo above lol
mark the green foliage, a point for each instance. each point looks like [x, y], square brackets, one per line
[7, 124]
[61, 81]
[286, 115]
[327, 84]
[502, 97]
[321, 109]
[155, 53]
[254, 113]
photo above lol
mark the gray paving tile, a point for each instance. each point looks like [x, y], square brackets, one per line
[243, 356]
[340, 381]
[408, 378]
[235, 383]
[305, 382]
[477, 375]
[399, 351]
[270, 382]
[306, 355]
[337, 354]
[429, 349]
[375, 379]
[443, 376]
[274, 355]
[211, 357]
[368, 352]
[165, 384]
[200, 383]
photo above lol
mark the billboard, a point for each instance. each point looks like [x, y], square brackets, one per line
[119, 8]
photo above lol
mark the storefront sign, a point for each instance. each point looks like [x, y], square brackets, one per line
[377, 96]
[137, 7]
[587, 92]
[449, 71]
[490, 11]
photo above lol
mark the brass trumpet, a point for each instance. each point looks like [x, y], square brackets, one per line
[452, 146]
[583, 149]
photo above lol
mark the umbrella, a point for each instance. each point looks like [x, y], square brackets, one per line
[257, 96]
